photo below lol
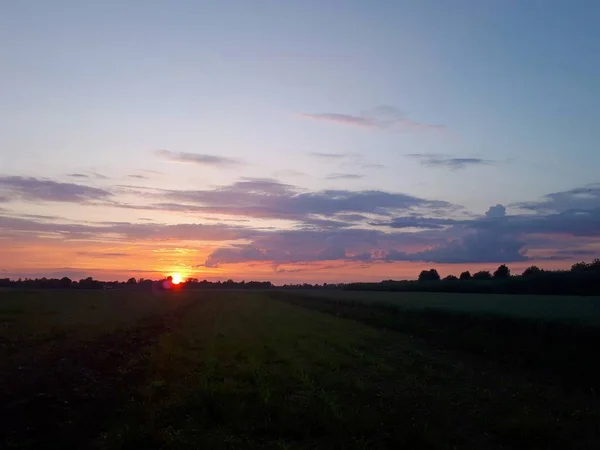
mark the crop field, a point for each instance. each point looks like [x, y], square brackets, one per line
[279, 370]
[545, 307]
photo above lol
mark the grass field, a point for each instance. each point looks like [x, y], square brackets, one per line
[564, 308]
[239, 369]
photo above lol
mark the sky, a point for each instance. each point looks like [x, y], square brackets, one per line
[318, 141]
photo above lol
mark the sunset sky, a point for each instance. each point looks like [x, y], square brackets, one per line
[297, 140]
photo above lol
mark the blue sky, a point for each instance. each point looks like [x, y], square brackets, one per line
[472, 103]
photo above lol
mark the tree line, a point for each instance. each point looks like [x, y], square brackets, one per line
[582, 279]
[131, 284]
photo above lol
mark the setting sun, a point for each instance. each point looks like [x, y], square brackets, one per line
[176, 278]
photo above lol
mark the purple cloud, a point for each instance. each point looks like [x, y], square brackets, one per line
[448, 161]
[36, 189]
[344, 176]
[271, 199]
[579, 199]
[344, 119]
[496, 211]
[333, 156]
[378, 118]
[417, 222]
[198, 158]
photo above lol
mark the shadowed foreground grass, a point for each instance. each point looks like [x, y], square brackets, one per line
[560, 350]
[242, 370]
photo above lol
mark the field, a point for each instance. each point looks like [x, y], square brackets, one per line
[241, 369]
[585, 310]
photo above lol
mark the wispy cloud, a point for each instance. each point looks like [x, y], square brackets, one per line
[333, 156]
[448, 161]
[37, 189]
[289, 173]
[378, 118]
[138, 177]
[91, 174]
[578, 199]
[102, 254]
[373, 166]
[344, 119]
[198, 158]
[343, 176]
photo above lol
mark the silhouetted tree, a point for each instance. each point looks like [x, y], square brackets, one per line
[482, 275]
[594, 266]
[531, 271]
[429, 275]
[451, 278]
[65, 282]
[466, 275]
[132, 281]
[90, 283]
[502, 272]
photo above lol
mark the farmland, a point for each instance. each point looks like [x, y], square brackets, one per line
[563, 308]
[281, 370]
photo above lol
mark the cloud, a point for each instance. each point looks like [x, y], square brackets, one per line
[36, 189]
[575, 223]
[378, 118]
[351, 217]
[297, 246]
[448, 161]
[137, 177]
[496, 211]
[327, 225]
[124, 231]
[271, 199]
[492, 238]
[235, 255]
[343, 176]
[578, 199]
[99, 176]
[290, 173]
[197, 158]
[344, 119]
[333, 156]
[417, 222]
[478, 247]
[78, 175]
[373, 166]
[102, 255]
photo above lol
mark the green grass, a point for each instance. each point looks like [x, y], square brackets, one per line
[250, 370]
[563, 308]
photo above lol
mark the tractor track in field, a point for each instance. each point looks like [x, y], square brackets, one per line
[66, 397]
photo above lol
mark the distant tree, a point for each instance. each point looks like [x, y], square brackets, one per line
[502, 272]
[451, 278]
[482, 275]
[594, 266]
[429, 275]
[466, 275]
[65, 282]
[531, 271]
[89, 283]
[132, 281]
